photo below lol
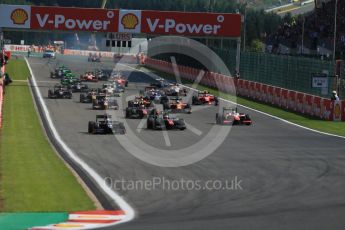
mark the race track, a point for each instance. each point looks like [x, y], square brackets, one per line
[292, 178]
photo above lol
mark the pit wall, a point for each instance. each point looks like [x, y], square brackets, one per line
[311, 105]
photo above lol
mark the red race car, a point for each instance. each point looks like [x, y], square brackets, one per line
[203, 98]
[119, 79]
[89, 76]
[230, 116]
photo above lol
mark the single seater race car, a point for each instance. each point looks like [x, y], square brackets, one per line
[153, 94]
[160, 83]
[101, 75]
[230, 116]
[162, 121]
[105, 125]
[69, 79]
[204, 98]
[137, 110]
[104, 102]
[175, 90]
[112, 89]
[119, 78]
[94, 57]
[141, 101]
[89, 76]
[79, 87]
[88, 96]
[175, 105]
[60, 91]
[60, 72]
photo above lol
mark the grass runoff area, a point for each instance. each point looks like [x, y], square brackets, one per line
[337, 128]
[32, 177]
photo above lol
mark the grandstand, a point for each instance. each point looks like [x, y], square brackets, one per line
[315, 30]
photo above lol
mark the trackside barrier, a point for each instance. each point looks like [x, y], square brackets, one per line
[342, 110]
[288, 99]
[2, 90]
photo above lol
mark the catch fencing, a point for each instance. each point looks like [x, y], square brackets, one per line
[290, 72]
[300, 102]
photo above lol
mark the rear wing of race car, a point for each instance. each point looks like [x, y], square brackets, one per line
[176, 99]
[105, 116]
[203, 92]
[148, 88]
[230, 109]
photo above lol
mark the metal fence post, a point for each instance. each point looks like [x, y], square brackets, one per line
[238, 55]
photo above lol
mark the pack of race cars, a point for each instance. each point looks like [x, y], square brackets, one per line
[171, 97]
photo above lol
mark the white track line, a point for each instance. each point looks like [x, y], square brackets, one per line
[258, 111]
[123, 205]
[193, 129]
[141, 125]
[166, 138]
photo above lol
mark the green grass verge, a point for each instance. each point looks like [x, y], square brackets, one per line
[337, 128]
[33, 178]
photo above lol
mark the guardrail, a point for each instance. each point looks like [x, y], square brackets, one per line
[307, 104]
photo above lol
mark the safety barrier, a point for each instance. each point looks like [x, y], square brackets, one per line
[2, 90]
[299, 102]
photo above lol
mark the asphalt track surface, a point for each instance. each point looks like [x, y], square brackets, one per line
[291, 178]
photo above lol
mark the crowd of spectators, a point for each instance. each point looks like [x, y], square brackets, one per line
[318, 29]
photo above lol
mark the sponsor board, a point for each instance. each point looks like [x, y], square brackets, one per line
[17, 48]
[15, 16]
[191, 23]
[74, 19]
[319, 81]
[130, 21]
[123, 21]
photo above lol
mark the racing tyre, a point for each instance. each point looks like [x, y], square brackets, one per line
[91, 127]
[50, 93]
[194, 100]
[127, 113]
[82, 98]
[166, 106]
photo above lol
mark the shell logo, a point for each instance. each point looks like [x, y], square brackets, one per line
[129, 21]
[337, 111]
[19, 16]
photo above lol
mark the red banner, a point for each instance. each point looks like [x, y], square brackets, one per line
[79, 19]
[128, 21]
[190, 23]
